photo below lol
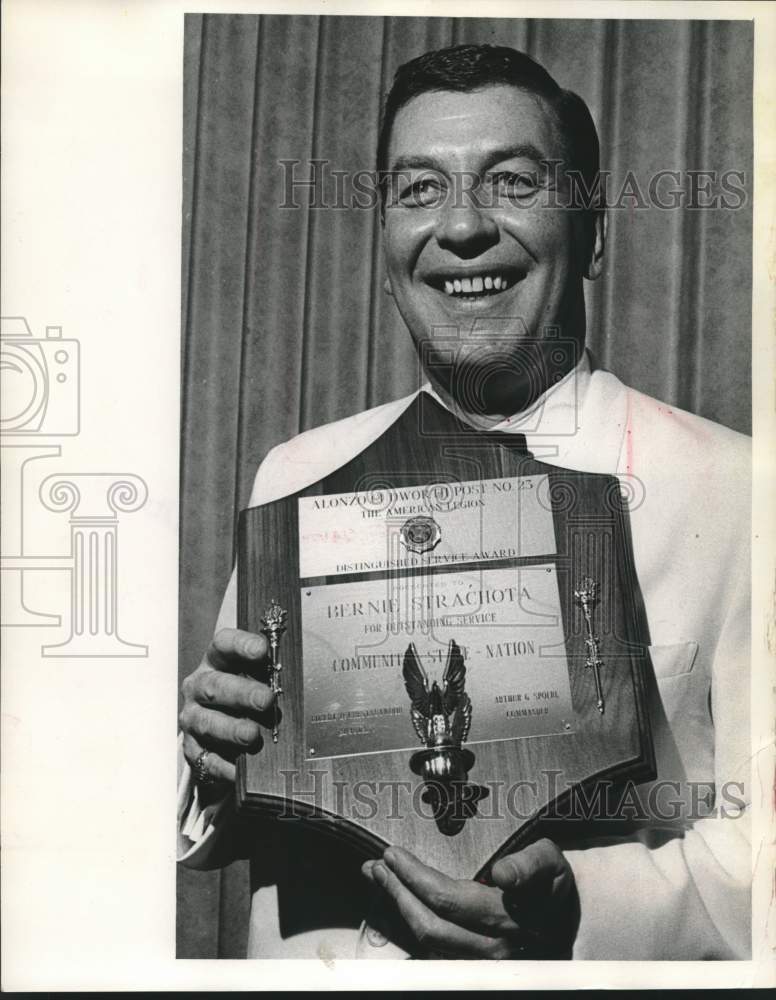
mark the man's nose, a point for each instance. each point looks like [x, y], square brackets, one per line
[465, 227]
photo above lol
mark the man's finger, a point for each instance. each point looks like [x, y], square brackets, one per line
[539, 893]
[230, 751]
[210, 727]
[217, 768]
[216, 689]
[476, 907]
[232, 647]
[534, 868]
[432, 932]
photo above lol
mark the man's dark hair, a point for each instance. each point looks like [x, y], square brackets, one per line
[472, 67]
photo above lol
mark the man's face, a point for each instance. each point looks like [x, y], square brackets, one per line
[478, 259]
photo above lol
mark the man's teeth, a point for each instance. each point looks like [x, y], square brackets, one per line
[475, 286]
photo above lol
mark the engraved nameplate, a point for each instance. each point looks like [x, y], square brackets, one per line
[354, 636]
[423, 526]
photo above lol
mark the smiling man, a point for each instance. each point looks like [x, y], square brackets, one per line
[481, 229]
[483, 159]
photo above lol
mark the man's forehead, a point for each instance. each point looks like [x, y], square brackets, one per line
[496, 116]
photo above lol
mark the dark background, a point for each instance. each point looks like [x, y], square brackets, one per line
[286, 325]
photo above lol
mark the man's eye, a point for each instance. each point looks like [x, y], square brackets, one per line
[515, 185]
[423, 192]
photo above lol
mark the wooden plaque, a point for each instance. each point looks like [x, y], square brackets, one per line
[541, 726]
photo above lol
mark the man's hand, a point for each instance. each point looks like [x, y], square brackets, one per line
[532, 911]
[223, 711]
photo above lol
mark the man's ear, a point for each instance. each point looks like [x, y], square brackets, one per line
[595, 264]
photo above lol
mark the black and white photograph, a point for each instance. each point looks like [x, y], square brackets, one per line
[422, 255]
[388, 438]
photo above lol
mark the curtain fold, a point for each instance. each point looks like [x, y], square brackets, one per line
[286, 324]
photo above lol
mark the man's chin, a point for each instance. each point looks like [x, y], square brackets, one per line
[493, 387]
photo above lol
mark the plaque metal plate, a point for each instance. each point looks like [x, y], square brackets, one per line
[507, 621]
[384, 529]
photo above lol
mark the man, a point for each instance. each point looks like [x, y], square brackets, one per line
[484, 159]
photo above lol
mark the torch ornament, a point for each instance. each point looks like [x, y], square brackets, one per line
[586, 595]
[273, 626]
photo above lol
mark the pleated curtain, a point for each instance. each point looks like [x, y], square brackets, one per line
[286, 324]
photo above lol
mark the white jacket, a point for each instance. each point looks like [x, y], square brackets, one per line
[656, 894]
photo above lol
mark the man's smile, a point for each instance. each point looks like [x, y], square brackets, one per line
[474, 286]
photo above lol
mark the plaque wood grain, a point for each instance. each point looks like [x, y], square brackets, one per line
[426, 445]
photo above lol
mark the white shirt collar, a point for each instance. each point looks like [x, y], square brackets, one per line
[550, 422]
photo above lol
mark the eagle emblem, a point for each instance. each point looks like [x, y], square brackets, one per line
[441, 716]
